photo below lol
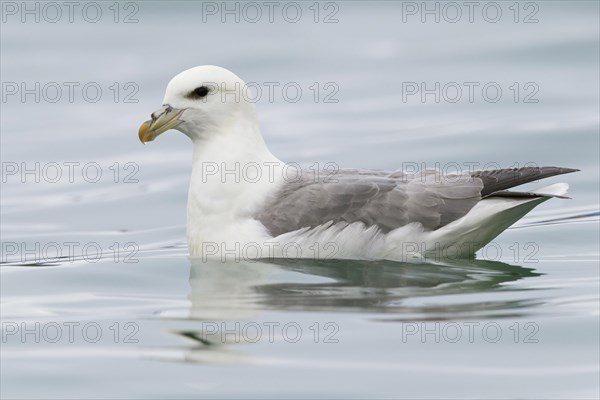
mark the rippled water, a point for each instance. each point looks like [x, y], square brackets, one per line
[521, 321]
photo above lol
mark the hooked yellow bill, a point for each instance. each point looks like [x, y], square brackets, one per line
[162, 120]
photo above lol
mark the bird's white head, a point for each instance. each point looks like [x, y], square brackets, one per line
[201, 102]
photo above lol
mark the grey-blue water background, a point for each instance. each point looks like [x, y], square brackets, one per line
[521, 322]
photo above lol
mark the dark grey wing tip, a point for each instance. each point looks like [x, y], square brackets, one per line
[565, 170]
[502, 179]
[553, 171]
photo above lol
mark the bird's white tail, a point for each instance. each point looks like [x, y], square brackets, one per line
[490, 217]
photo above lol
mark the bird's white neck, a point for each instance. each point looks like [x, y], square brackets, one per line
[233, 172]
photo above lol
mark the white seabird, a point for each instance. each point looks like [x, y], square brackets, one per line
[243, 202]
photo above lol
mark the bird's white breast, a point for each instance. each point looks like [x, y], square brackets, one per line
[229, 183]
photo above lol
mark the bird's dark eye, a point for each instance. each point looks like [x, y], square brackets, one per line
[200, 92]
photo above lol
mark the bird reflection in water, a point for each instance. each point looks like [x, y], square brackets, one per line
[226, 293]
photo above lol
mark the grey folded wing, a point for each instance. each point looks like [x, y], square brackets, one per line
[390, 200]
[375, 198]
